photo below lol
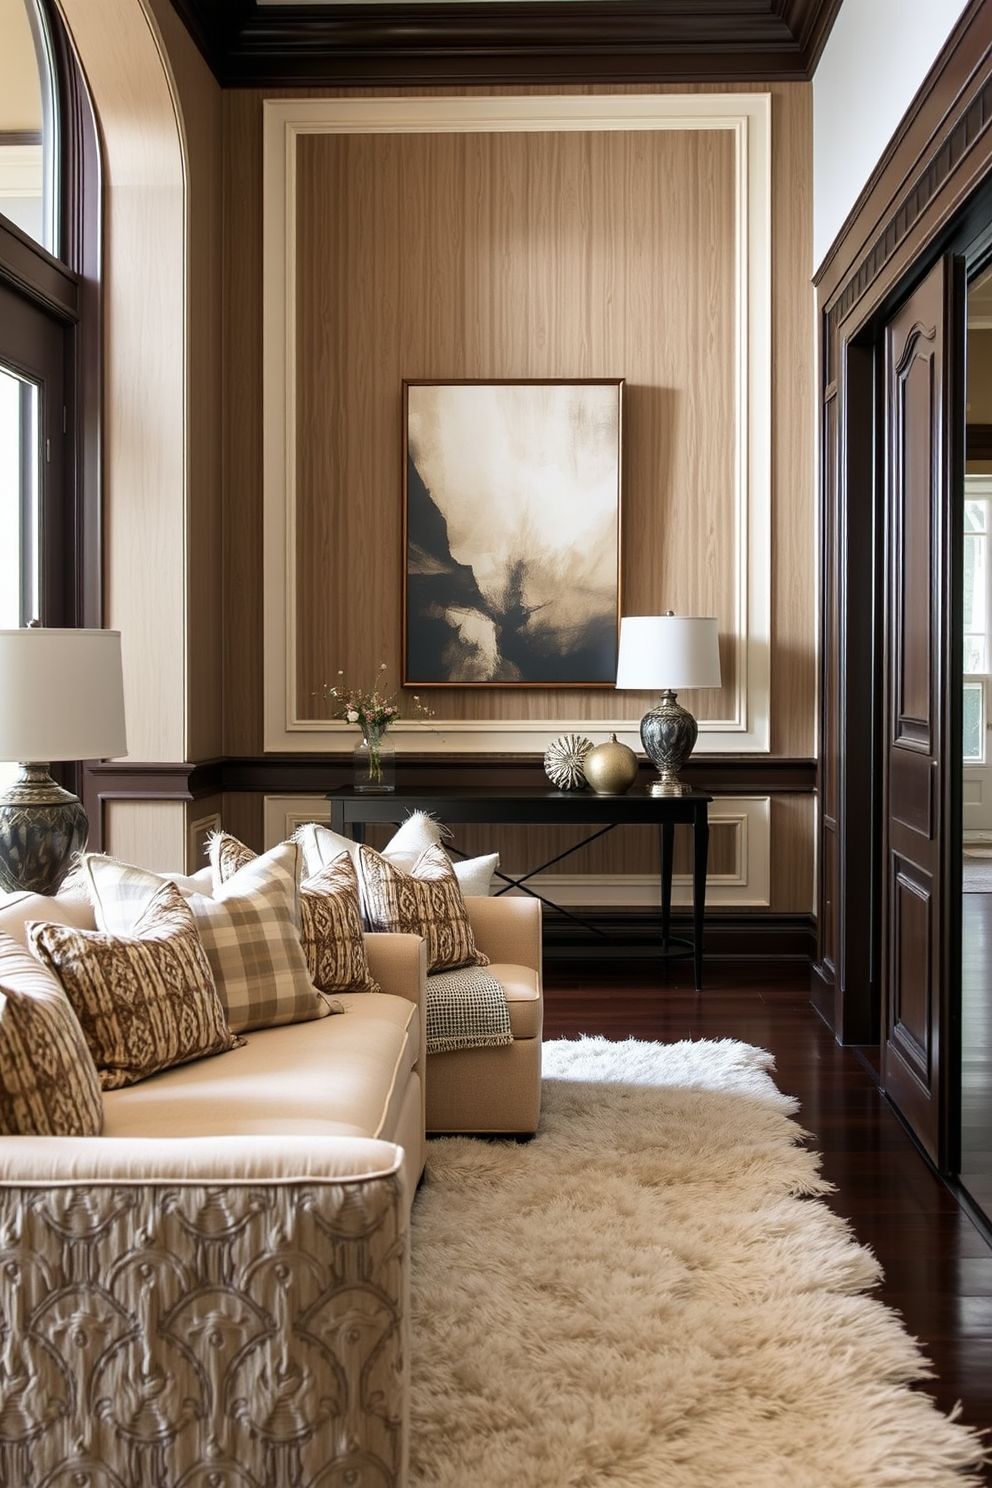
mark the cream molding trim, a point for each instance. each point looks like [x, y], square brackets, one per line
[748, 116]
[20, 171]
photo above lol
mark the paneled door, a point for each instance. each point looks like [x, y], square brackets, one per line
[924, 422]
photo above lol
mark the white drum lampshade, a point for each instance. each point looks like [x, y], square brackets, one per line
[63, 699]
[668, 653]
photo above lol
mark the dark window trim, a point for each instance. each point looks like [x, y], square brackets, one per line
[69, 288]
[81, 221]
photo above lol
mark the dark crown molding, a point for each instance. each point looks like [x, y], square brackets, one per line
[385, 43]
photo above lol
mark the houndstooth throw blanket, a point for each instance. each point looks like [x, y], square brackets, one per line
[466, 1009]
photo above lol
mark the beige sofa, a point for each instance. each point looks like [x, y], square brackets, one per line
[217, 1286]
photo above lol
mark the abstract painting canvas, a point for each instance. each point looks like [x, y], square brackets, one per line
[512, 533]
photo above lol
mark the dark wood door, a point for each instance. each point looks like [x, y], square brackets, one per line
[924, 422]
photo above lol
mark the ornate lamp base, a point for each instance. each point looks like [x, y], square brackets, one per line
[668, 733]
[42, 827]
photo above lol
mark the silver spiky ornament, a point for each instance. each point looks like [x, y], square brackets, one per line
[563, 761]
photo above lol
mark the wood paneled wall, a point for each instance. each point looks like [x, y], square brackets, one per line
[591, 295]
[512, 256]
[931, 194]
[489, 268]
[465, 257]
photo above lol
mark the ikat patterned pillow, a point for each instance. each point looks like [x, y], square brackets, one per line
[249, 929]
[145, 1001]
[426, 901]
[49, 1085]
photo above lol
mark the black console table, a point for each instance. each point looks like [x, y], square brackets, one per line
[351, 810]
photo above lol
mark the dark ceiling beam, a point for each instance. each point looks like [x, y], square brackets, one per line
[485, 41]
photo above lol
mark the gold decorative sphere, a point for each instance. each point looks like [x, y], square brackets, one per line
[610, 768]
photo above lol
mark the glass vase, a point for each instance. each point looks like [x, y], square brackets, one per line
[374, 761]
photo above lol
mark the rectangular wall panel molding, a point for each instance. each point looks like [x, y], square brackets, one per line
[370, 278]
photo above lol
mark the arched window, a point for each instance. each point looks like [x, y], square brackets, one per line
[49, 325]
[29, 167]
[50, 345]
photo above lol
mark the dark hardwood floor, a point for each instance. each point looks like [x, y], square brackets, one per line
[937, 1263]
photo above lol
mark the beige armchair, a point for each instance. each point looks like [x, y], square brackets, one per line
[497, 1090]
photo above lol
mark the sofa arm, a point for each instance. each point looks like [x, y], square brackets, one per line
[399, 964]
[508, 929]
[235, 1307]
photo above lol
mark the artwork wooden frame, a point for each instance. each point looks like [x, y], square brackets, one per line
[511, 532]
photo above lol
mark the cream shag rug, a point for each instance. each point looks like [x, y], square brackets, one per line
[650, 1295]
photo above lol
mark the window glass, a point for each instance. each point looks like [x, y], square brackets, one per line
[20, 574]
[976, 582]
[973, 723]
[28, 141]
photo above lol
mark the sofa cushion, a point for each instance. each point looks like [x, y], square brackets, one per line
[330, 916]
[49, 1085]
[347, 1076]
[145, 1001]
[425, 902]
[18, 910]
[249, 929]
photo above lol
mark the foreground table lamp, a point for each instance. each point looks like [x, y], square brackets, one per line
[668, 653]
[62, 694]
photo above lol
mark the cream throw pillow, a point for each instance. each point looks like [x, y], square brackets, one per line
[420, 831]
[249, 929]
[145, 1001]
[330, 917]
[426, 902]
[49, 1086]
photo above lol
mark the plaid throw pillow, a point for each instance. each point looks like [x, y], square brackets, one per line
[426, 902]
[49, 1086]
[145, 1002]
[249, 931]
[330, 918]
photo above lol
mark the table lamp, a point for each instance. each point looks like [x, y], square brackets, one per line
[63, 699]
[668, 652]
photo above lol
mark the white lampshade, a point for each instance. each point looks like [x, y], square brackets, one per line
[668, 652]
[62, 695]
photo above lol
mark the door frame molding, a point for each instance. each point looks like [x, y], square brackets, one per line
[931, 193]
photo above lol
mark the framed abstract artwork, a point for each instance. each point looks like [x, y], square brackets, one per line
[511, 497]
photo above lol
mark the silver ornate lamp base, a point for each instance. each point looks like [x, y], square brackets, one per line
[668, 733]
[42, 827]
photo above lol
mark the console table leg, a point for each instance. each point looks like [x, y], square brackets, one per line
[667, 831]
[700, 852]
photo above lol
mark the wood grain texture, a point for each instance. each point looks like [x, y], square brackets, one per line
[151, 834]
[792, 854]
[242, 816]
[457, 300]
[793, 700]
[511, 256]
[242, 480]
